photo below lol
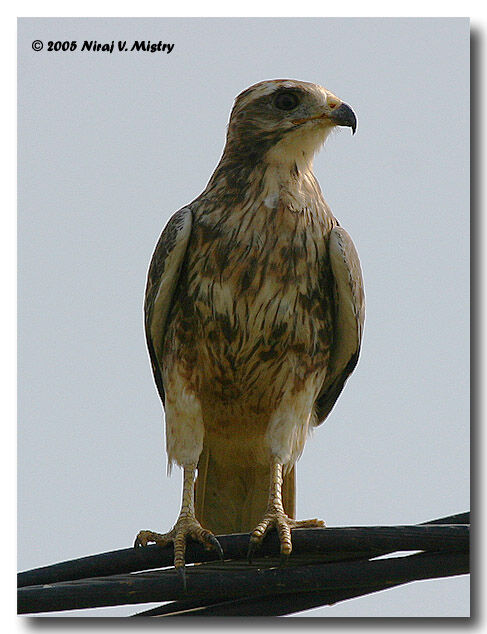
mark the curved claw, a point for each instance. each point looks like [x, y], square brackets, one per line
[215, 544]
[253, 546]
[181, 570]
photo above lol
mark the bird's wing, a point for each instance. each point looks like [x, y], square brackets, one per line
[162, 281]
[349, 316]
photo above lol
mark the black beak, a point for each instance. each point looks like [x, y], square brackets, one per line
[344, 115]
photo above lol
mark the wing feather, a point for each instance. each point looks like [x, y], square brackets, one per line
[349, 314]
[162, 280]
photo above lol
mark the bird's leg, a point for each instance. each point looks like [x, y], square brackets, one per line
[186, 526]
[275, 516]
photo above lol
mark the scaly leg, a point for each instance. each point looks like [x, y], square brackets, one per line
[186, 526]
[275, 516]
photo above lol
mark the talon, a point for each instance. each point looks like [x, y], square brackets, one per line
[185, 527]
[181, 570]
[215, 545]
[253, 545]
[276, 518]
[143, 538]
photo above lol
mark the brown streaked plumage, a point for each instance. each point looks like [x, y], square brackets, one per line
[254, 315]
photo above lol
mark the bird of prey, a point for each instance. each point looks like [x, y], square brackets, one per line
[254, 312]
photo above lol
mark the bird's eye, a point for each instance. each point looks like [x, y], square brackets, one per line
[286, 101]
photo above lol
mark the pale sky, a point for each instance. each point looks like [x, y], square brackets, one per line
[112, 144]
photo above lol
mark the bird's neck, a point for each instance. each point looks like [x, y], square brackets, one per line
[274, 178]
[290, 184]
[257, 197]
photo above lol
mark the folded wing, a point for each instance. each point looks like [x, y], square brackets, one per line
[162, 281]
[349, 314]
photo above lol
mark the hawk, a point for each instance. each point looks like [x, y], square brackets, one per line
[254, 312]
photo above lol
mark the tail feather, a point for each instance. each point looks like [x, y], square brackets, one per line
[231, 499]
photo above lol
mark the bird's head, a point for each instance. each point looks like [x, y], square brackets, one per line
[285, 119]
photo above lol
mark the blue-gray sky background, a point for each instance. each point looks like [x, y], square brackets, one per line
[111, 145]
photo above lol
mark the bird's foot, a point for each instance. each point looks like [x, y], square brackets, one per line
[275, 517]
[187, 526]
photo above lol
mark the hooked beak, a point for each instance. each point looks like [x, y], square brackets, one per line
[345, 116]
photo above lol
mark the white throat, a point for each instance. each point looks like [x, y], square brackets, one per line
[298, 147]
[289, 165]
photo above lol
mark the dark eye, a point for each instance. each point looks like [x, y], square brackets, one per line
[286, 101]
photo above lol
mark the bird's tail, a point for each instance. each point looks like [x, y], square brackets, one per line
[232, 499]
